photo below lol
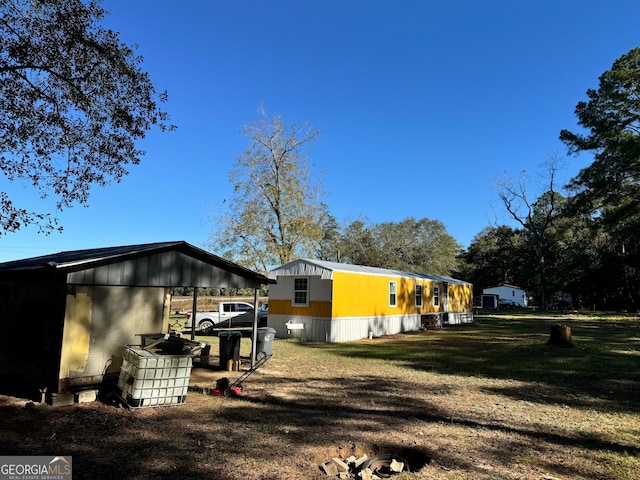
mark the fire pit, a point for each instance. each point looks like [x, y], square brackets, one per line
[378, 467]
[384, 466]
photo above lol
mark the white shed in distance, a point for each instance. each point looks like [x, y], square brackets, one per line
[508, 295]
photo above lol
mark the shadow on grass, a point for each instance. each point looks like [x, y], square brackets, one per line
[366, 405]
[602, 365]
[297, 417]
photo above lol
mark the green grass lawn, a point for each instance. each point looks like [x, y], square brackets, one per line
[604, 360]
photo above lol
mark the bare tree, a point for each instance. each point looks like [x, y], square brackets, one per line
[535, 216]
[276, 213]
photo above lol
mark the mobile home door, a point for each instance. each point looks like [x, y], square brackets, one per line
[445, 302]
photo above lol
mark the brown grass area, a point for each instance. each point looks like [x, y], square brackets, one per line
[488, 401]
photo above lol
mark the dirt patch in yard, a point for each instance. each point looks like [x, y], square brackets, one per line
[486, 401]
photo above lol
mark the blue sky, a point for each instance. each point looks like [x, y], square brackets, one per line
[421, 104]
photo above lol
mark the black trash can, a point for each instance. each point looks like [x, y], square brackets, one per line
[264, 341]
[230, 349]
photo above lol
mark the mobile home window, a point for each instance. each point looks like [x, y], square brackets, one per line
[300, 291]
[418, 295]
[392, 294]
[436, 296]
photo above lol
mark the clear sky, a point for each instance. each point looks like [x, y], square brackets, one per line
[422, 105]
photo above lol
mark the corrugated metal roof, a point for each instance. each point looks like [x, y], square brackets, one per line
[78, 260]
[72, 258]
[325, 269]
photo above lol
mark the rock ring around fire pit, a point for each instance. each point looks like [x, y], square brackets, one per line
[384, 466]
[378, 467]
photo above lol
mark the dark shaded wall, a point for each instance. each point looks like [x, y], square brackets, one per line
[32, 316]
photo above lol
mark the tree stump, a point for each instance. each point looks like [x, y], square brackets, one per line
[560, 335]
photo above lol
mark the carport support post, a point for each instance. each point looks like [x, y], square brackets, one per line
[254, 338]
[193, 313]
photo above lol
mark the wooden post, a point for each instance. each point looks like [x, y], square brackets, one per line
[254, 331]
[560, 335]
[194, 307]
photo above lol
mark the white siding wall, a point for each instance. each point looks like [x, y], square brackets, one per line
[283, 290]
[459, 318]
[319, 290]
[343, 329]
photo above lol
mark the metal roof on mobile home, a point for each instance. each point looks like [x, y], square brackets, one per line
[324, 269]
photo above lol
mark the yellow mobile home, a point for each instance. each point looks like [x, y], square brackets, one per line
[337, 302]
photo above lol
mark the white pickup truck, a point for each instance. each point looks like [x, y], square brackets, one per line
[207, 321]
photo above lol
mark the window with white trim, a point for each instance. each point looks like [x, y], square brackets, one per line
[418, 295]
[436, 296]
[301, 291]
[392, 294]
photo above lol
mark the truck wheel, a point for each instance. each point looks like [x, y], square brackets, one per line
[206, 327]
